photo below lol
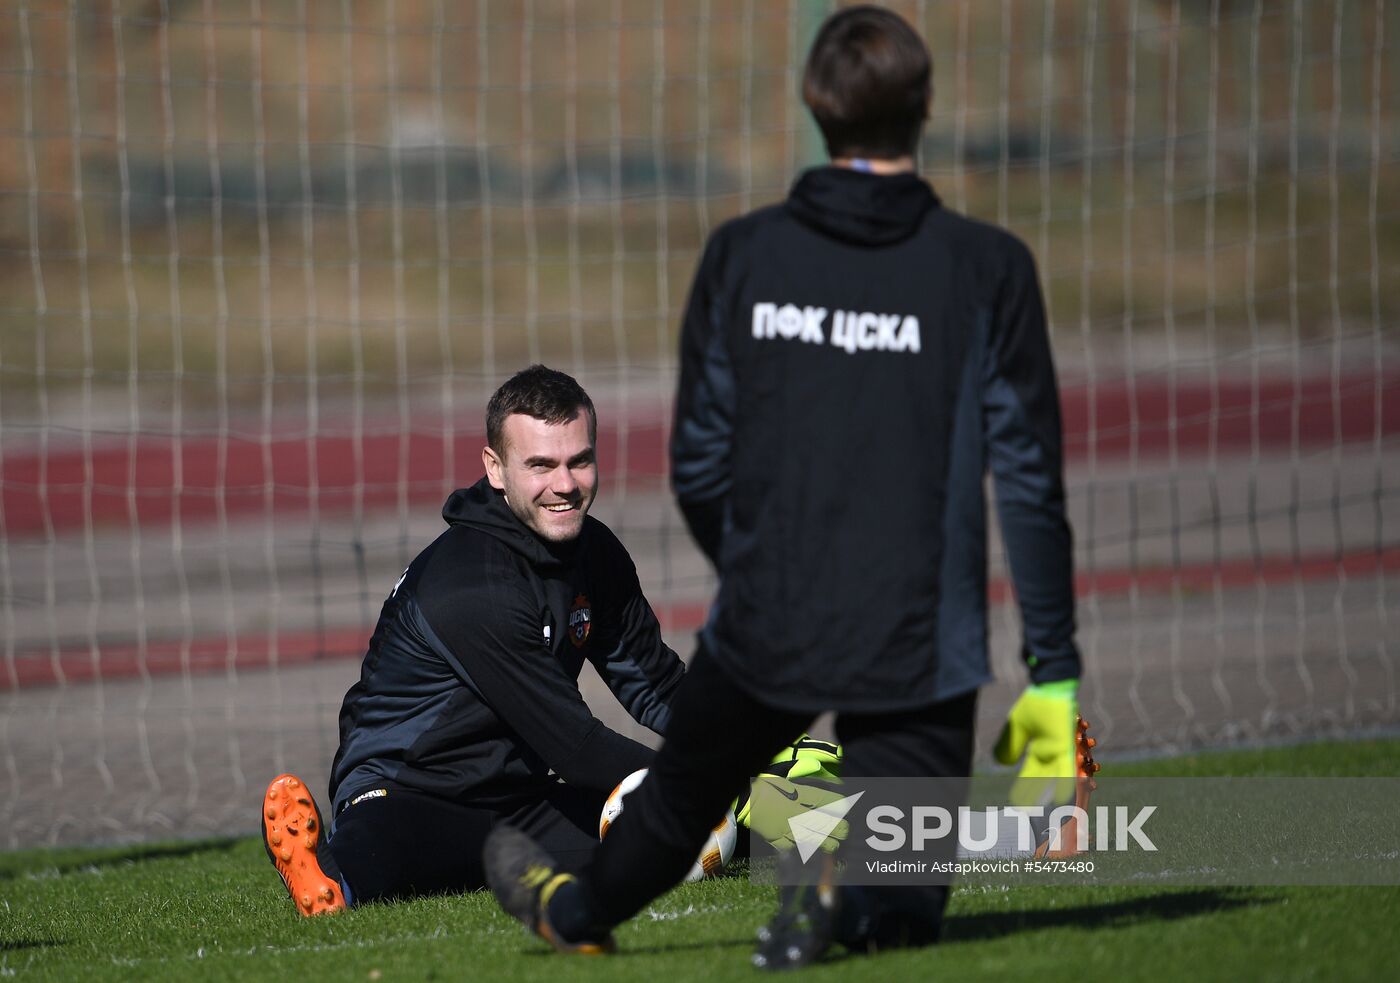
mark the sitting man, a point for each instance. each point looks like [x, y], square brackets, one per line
[467, 712]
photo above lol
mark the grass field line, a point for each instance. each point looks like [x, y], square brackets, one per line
[209, 952]
[688, 911]
[440, 932]
[1173, 876]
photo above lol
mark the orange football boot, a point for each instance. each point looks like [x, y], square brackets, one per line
[291, 826]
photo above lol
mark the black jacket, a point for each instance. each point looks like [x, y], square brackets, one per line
[852, 363]
[469, 690]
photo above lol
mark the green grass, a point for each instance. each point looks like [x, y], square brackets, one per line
[215, 910]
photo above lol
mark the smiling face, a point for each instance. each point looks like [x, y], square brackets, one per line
[548, 471]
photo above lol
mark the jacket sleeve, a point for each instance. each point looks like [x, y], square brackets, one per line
[492, 636]
[640, 669]
[1021, 420]
[703, 432]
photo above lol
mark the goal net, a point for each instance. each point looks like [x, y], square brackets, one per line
[263, 261]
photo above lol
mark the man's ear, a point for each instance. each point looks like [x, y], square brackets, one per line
[495, 468]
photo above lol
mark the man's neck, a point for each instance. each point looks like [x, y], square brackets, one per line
[876, 165]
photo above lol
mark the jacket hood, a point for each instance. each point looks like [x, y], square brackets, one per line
[484, 508]
[858, 207]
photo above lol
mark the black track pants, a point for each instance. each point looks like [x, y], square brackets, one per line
[718, 738]
[404, 844]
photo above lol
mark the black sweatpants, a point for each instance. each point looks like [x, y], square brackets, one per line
[404, 844]
[719, 736]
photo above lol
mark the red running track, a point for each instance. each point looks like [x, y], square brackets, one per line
[119, 482]
[124, 660]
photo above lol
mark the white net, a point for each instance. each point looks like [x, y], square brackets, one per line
[262, 263]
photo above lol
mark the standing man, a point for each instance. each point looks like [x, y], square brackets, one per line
[467, 712]
[853, 362]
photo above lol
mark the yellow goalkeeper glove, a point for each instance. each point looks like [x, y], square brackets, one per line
[801, 777]
[807, 757]
[774, 801]
[802, 759]
[1042, 725]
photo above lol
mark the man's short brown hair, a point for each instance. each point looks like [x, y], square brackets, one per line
[868, 82]
[540, 392]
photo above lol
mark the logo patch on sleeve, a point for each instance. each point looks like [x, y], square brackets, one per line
[580, 621]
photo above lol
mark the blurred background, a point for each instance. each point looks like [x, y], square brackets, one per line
[262, 263]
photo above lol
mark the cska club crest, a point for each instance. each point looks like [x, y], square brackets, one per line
[580, 621]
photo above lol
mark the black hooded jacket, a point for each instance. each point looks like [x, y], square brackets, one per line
[853, 362]
[469, 690]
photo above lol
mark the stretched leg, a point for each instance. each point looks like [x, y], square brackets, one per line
[717, 738]
[404, 844]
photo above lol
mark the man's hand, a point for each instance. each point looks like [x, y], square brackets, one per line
[1043, 725]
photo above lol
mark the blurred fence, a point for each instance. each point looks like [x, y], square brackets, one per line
[262, 262]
